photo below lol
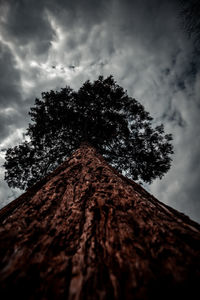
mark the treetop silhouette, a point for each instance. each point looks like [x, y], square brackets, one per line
[100, 113]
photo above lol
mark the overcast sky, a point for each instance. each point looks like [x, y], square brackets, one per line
[49, 44]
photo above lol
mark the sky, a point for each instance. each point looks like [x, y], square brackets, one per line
[47, 45]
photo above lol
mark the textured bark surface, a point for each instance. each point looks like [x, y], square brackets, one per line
[87, 232]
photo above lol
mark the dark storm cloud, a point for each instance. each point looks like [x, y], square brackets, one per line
[10, 79]
[25, 22]
[47, 44]
[71, 13]
[10, 95]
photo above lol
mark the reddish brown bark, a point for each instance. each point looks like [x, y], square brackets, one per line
[87, 232]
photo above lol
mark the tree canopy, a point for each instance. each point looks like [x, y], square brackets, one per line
[100, 113]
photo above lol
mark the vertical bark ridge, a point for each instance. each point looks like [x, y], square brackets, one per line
[87, 232]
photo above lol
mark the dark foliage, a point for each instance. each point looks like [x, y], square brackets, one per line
[100, 113]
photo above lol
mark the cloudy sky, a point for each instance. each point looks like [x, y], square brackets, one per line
[49, 44]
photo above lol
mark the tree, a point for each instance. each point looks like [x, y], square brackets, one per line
[100, 113]
[102, 238]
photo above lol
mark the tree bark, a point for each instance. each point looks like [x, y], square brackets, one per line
[87, 232]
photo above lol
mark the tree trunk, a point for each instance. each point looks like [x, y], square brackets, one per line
[87, 232]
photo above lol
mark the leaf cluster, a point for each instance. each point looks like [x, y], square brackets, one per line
[100, 113]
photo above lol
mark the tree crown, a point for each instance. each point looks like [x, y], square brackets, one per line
[100, 113]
